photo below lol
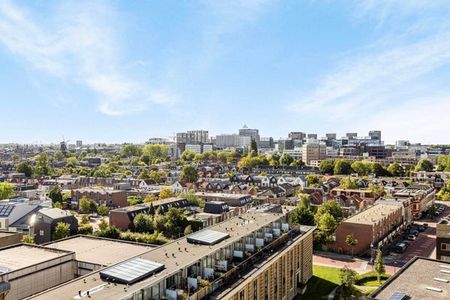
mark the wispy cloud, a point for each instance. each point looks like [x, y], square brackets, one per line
[80, 44]
[392, 76]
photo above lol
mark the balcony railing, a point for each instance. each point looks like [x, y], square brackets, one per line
[237, 272]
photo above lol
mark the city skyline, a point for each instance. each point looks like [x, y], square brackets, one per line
[120, 72]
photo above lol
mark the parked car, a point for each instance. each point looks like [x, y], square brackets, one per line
[421, 228]
[400, 248]
[414, 232]
[408, 243]
[425, 225]
[411, 237]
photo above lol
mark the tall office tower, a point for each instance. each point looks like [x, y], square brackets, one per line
[297, 135]
[252, 133]
[375, 134]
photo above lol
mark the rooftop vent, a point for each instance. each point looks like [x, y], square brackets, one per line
[430, 288]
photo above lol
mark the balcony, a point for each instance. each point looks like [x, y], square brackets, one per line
[240, 270]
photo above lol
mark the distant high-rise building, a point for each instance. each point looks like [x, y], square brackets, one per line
[252, 133]
[285, 145]
[330, 136]
[192, 137]
[266, 142]
[232, 140]
[351, 135]
[63, 147]
[375, 134]
[79, 143]
[314, 150]
[297, 135]
[312, 136]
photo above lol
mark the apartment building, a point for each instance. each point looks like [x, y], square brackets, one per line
[421, 195]
[443, 239]
[257, 255]
[314, 150]
[372, 227]
[28, 269]
[102, 196]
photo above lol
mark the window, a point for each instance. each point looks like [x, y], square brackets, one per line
[241, 295]
[445, 246]
[445, 258]
[41, 232]
[255, 289]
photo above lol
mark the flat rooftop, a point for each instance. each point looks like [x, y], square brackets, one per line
[147, 205]
[22, 256]
[222, 195]
[100, 251]
[373, 214]
[175, 256]
[415, 280]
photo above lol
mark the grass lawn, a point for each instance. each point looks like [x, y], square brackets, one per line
[373, 283]
[325, 279]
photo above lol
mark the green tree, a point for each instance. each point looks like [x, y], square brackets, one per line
[326, 223]
[6, 190]
[193, 199]
[286, 159]
[424, 165]
[62, 230]
[58, 156]
[396, 170]
[348, 183]
[129, 150]
[110, 232]
[351, 241]
[189, 174]
[188, 155]
[149, 198]
[302, 214]
[253, 147]
[327, 166]
[342, 167]
[102, 225]
[42, 165]
[378, 170]
[142, 223]
[28, 239]
[313, 180]
[85, 219]
[103, 210]
[154, 153]
[85, 229]
[86, 205]
[25, 167]
[165, 193]
[71, 162]
[172, 223]
[347, 277]
[133, 200]
[363, 168]
[379, 265]
[56, 195]
[331, 207]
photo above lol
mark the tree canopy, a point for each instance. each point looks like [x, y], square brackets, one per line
[6, 190]
[189, 174]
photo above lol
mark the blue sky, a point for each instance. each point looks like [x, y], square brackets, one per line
[119, 71]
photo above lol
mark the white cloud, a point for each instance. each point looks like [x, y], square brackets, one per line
[391, 79]
[80, 44]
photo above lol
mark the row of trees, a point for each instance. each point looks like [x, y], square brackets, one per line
[361, 167]
[252, 161]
